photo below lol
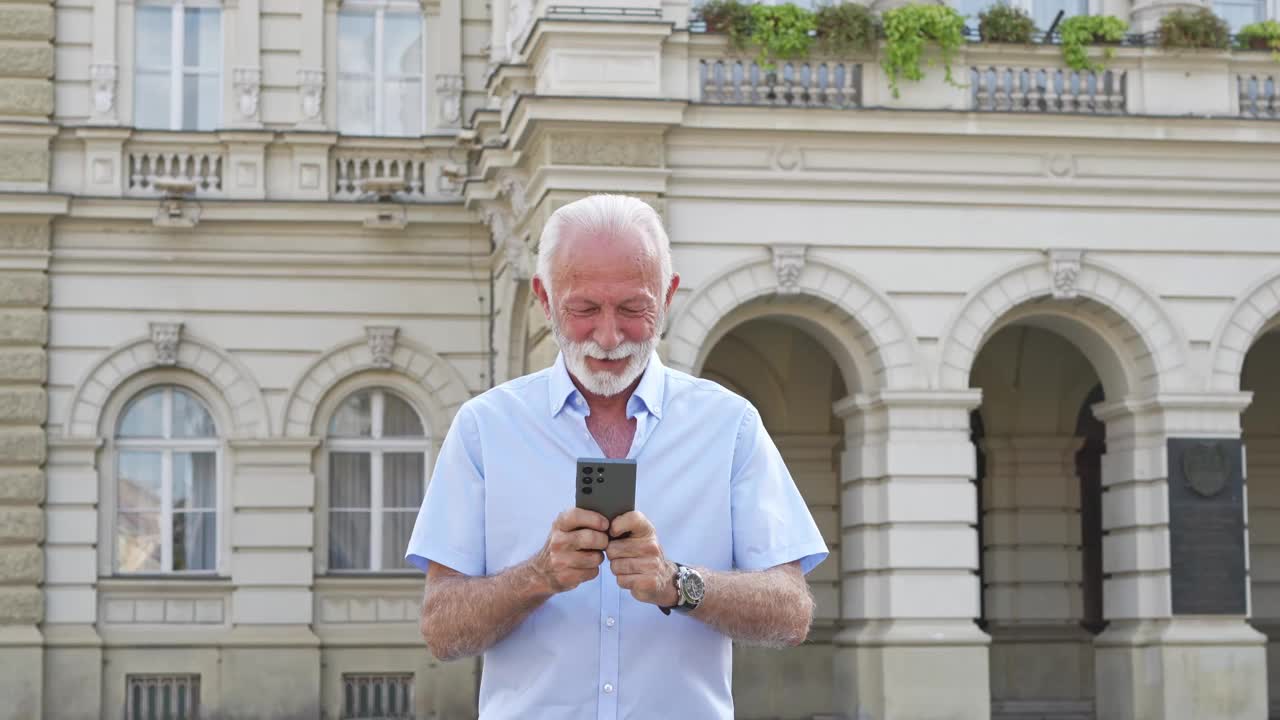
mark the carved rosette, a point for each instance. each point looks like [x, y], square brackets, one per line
[449, 94]
[382, 343]
[165, 338]
[248, 88]
[102, 80]
[788, 263]
[311, 94]
[1064, 270]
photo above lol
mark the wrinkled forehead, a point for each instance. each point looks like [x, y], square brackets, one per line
[628, 259]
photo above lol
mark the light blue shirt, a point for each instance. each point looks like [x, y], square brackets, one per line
[708, 477]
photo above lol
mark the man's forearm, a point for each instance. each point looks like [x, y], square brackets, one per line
[464, 616]
[773, 608]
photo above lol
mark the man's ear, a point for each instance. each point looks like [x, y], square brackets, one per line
[540, 290]
[671, 290]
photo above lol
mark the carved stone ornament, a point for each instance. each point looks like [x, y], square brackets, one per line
[788, 263]
[513, 188]
[1064, 270]
[1206, 467]
[311, 91]
[248, 85]
[382, 343]
[449, 92]
[519, 20]
[518, 260]
[103, 80]
[165, 338]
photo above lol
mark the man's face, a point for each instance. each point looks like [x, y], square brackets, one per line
[608, 308]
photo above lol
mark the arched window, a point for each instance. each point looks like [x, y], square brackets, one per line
[377, 461]
[166, 475]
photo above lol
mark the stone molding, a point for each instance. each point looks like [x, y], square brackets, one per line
[237, 386]
[887, 345]
[1249, 318]
[444, 386]
[1159, 363]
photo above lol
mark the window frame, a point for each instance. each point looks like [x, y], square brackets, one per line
[166, 446]
[178, 70]
[376, 446]
[379, 10]
[1092, 7]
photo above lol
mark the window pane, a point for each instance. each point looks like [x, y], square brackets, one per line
[402, 44]
[194, 482]
[399, 418]
[200, 102]
[201, 39]
[153, 40]
[349, 540]
[144, 417]
[354, 417]
[195, 537]
[1044, 11]
[138, 480]
[138, 541]
[151, 101]
[1239, 14]
[402, 480]
[190, 419]
[396, 528]
[349, 480]
[355, 42]
[402, 113]
[355, 104]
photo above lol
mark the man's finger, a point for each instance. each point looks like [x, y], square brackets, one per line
[575, 518]
[585, 539]
[633, 522]
[585, 559]
[625, 566]
[618, 549]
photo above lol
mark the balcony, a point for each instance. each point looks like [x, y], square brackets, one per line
[1138, 80]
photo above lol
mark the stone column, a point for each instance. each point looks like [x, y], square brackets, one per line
[1177, 646]
[1032, 572]
[909, 555]
[24, 330]
[271, 644]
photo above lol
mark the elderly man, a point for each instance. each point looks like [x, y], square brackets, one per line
[719, 534]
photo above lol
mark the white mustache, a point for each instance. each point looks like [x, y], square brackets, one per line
[592, 349]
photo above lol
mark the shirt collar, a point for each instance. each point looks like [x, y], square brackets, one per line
[649, 392]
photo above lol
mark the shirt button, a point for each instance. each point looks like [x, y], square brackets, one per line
[610, 622]
[608, 688]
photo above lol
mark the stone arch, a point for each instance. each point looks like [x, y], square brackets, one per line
[878, 349]
[1120, 326]
[1253, 315]
[249, 416]
[445, 388]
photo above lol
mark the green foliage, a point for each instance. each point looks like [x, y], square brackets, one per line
[845, 28]
[1082, 30]
[731, 16]
[1261, 36]
[908, 28]
[1199, 29]
[780, 31]
[1006, 24]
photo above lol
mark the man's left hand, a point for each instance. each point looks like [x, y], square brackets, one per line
[638, 563]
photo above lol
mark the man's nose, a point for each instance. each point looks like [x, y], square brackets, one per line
[608, 332]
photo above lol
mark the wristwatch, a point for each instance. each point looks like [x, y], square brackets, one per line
[689, 588]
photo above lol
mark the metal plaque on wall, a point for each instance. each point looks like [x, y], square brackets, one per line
[1206, 526]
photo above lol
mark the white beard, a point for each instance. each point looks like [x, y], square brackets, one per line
[605, 383]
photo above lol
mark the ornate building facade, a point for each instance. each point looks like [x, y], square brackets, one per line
[1017, 338]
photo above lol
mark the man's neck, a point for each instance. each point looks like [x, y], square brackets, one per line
[611, 405]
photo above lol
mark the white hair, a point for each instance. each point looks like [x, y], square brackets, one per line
[609, 215]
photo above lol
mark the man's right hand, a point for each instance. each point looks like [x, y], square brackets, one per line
[573, 551]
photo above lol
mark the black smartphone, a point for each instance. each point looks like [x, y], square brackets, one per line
[606, 486]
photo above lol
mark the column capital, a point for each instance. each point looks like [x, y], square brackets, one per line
[888, 400]
[1174, 414]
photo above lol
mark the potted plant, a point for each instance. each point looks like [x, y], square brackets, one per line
[1199, 29]
[1006, 24]
[729, 16]
[1082, 30]
[1263, 35]
[845, 29]
[780, 32]
[908, 29]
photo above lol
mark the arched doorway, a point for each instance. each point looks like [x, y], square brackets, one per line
[793, 381]
[1040, 498]
[1260, 424]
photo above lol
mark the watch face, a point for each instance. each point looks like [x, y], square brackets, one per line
[693, 587]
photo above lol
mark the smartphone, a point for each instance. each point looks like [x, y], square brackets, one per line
[606, 486]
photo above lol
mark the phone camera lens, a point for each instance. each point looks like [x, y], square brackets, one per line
[586, 491]
[600, 470]
[586, 481]
[599, 480]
